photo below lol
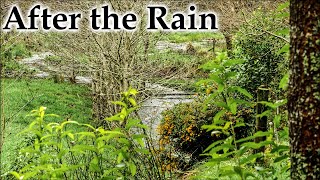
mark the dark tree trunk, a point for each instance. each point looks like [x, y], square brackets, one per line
[228, 38]
[261, 122]
[304, 89]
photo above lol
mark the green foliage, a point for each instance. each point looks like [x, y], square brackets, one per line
[181, 126]
[21, 96]
[247, 161]
[260, 42]
[18, 50]
[10, 55]
[181, 129]
[60, 152]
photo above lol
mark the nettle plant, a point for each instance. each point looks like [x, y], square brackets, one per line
[234, 156]
[70, 150]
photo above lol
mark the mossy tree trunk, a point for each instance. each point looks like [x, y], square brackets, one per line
[304, 89]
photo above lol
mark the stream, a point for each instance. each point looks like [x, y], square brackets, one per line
[163, 98]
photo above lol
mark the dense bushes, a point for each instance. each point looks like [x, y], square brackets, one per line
[9, 56]
[181, 131]
[181, 127]
[256, 44]
[55, 151]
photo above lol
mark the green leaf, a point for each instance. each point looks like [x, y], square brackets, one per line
[216, 79]
[276, 120]
[283, 15]
[36, 145]
[133, 169]
[132, 91]
[274, 105]
[70, 135]
[233, 62]
[132, 101]
[280, 148]
[240, 90]
[216, 119]
[94, 165]
[119, 103]
[226, 126]
[16, 175]
[132, 122]
[84, 134]
[283, 6]
[284, 49]
[221, 147]
[285, 31]
[211, 65]
[238, 170]
[229, 75]
[233, 107]
[120, 158]
[247, 174]
[62, 153]
[212, 127]
[124, 141]
[264, 114]
[213, 145]
[68, 122]
[284, 81]
[121, 165]
[89, 126]
[83, 148]
[239, 124]
[281, 158]
[257, 134]
[250, 158]
[116, 117]
[254, 145]
[222, 104]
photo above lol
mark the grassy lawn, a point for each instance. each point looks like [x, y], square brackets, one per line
[69, 101]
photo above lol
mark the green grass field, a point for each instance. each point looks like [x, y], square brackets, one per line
[69, 101]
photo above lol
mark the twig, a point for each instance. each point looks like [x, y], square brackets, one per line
[263, 30]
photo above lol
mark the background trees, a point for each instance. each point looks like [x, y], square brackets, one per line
[304, 89]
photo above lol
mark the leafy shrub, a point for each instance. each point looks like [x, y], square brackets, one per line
[9, 56]
[181, 127]
[18, 50]
[265, 63]
[56, 152]
[252, 156]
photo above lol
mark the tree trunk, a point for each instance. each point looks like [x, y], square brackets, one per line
[228, 38]
[261, 122]
[304, 89]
